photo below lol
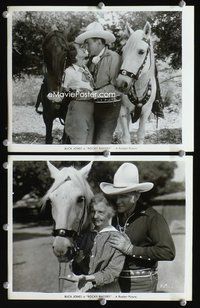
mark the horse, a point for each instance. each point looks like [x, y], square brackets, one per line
[70, 198]
[137, 81]
[55, 51]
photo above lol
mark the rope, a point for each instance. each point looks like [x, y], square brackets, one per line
[157, 128]
[62, 122]
[61, 281]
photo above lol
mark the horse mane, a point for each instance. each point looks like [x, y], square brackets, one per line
[55, 48]
[78, 179]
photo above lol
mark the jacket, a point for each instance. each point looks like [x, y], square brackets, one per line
[100, 259]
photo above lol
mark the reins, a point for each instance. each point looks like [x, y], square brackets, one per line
[73, 234]
[137, 75]
[132, 95]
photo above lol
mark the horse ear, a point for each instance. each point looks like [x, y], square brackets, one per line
[128, 30]
[86, 169]
[53, 170]
[147, 30]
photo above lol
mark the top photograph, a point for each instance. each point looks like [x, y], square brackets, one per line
[90, 79]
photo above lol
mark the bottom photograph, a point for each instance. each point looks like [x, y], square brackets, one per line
[118, 228]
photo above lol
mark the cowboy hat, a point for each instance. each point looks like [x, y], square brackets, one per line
[95, 30]
[126, 179]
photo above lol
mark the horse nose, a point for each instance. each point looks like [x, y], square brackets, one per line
[124, 85]
[59, 252]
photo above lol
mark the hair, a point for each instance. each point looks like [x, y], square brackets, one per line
[71, 55]
[99, 197]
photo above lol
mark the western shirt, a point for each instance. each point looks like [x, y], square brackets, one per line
[76, 77]
[150, 237]
[106, 71]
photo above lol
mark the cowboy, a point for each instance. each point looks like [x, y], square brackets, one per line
[105, 65]
[145, 238]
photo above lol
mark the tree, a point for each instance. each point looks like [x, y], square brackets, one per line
[34, 176]
[166, 29]
[30, 28]
[160, 173]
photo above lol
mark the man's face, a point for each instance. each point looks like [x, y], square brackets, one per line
[126, 202]
[94, 46]
[101, 215]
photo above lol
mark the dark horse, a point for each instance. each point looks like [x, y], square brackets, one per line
[55, 51]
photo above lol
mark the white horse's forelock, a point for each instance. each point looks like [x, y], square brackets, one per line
[75, 176]
[133, 39]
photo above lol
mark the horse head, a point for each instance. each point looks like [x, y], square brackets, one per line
[136, 57]
[70, 197]
[56, 50]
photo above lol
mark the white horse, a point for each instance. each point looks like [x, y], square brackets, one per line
[70, 197]
[136, 79]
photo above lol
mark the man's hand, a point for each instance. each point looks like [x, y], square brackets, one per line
[82, 281]
[121, 242]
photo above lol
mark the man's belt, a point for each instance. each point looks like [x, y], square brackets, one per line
[105, 100]
[138, 273]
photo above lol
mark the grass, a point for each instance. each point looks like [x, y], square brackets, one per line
[26, 89]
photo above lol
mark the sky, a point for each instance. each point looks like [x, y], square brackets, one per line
[179, 172]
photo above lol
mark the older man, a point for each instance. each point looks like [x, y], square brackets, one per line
[104, 68]
[145, 238]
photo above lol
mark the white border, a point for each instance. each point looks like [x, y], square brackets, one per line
[187, 294]
[187, 85]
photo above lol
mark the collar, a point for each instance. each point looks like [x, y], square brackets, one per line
[139, 210]
[97, 58]
[108, 229]
[79, 68]
[76, 67]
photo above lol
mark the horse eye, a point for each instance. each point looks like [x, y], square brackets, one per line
[141, 52]
[80, 199]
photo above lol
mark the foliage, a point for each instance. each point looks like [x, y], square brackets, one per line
[34, 177]
[29, 31]
[30, 28]
[159, 173]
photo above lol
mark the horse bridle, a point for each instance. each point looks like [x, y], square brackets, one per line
[137, 75]
[70, 233]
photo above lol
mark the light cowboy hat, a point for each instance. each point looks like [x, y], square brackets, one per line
[126, 179]
[95, 30]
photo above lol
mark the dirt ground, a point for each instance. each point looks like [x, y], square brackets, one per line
[28, 128]
[35, 268]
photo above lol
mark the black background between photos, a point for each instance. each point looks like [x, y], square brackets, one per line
[3, 177]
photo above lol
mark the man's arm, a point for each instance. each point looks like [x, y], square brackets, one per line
[162, 247]
[112, 270]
